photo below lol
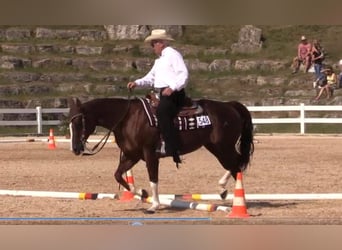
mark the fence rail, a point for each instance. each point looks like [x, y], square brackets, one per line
[301, 119]
[38, 111]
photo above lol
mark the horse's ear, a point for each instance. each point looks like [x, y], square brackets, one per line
[71, 102]
[78, 103]
[74, 103]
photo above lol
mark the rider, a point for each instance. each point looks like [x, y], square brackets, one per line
[169, 76]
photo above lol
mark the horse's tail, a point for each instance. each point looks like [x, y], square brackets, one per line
[246, 147]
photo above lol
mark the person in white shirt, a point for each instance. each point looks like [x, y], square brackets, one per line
[169, 75]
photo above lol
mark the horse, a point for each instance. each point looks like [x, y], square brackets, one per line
[229, 136]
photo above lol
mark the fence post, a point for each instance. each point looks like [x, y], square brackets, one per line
[302, 119]
[39, 120]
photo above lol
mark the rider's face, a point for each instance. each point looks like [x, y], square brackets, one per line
[158, 46]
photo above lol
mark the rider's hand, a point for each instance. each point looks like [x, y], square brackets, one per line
[131, 85]
[167, 92]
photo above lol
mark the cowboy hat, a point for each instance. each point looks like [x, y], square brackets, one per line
[340, 62]
[303, 38]
[158, 34]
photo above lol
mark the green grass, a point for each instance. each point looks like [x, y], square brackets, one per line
[210, 36]
[280, 41]
[324, 128]
[295, 128]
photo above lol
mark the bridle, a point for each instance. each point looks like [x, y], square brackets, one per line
[95, 148]
[83, 124]
[104, 139]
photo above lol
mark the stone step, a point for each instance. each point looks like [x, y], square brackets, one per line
[44, 90]
[142, 64]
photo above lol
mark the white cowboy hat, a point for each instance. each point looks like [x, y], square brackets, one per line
[340, 62]
[158, 34]
[303, 38]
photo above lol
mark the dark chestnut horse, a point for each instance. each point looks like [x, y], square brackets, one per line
[229, 137]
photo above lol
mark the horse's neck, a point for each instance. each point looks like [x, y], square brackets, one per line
[109, 112]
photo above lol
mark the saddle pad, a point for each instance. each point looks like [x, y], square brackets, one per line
[192, 122]
[181, 122]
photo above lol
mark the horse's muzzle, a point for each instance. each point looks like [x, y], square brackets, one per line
[78, 149]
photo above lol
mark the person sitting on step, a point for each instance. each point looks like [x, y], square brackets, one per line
[303, 56]
[330, 83]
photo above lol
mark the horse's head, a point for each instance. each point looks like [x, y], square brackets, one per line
[81, 126]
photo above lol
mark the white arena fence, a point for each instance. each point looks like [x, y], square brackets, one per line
[302, 119]
[39, 122]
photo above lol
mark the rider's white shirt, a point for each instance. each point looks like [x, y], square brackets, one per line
[169, 70]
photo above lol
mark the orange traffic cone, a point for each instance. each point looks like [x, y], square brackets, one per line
[128, 195]
[239, 209]
[52, 144]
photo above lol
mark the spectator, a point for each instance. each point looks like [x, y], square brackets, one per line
[317, 57]
[303, 56]
[329, 83]
[340, 75]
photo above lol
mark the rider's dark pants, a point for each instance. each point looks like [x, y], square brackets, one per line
[166, 112]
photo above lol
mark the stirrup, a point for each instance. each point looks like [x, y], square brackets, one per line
[161, 150]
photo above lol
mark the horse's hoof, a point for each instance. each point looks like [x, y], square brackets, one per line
[149, 211]
[144, 194]
[224, 194]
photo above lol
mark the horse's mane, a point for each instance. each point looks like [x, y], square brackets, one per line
[104, 100]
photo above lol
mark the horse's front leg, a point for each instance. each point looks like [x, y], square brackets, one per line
[125, 164]
[152, 164]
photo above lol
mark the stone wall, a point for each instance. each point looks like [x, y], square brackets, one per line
[45, 65]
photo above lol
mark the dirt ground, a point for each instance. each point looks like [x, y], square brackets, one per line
[280, 164]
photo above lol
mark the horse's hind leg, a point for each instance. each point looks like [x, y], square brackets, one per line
[223, 183]
[228, 157]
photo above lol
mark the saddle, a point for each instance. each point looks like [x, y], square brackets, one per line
[191, 115]
[190, 107]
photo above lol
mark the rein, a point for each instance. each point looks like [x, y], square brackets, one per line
[105, 138]
[92, 151]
